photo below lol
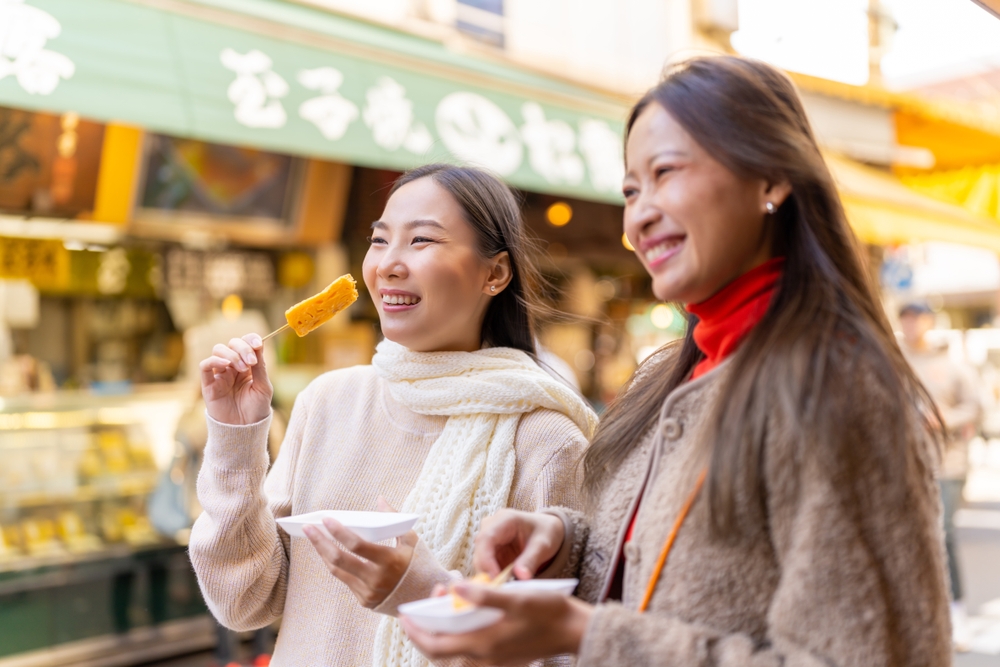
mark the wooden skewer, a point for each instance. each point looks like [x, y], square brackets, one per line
[502, 578]
[274, 333]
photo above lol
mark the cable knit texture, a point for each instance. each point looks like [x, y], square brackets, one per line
[847, 570]
[349, 440]
[468, 472]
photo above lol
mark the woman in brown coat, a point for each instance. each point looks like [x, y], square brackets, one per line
[761, 493]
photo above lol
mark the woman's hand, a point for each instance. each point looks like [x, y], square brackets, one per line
[530, 539]
[234, 382]
[534, 625]
[372, 579]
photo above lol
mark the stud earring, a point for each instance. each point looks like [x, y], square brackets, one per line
[493, 288]
[770, 208]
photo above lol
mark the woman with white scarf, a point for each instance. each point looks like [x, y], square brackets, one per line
[453, 420]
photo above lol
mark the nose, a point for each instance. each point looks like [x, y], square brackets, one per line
[391, 264]
[639, 215]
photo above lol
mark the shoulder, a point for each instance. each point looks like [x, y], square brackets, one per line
[546, 425]
[659, 363]
[858, 418]
[344, 385]
[544, 434]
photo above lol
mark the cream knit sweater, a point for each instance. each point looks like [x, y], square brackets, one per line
[348, 442]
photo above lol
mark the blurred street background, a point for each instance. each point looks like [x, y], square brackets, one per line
[174, 173]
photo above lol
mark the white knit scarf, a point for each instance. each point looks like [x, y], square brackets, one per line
[470, 468]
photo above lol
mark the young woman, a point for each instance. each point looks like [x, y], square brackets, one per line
[453, 420]
[763, 491]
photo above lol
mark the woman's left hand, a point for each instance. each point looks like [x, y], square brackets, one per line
[373, 578]
[534, 625]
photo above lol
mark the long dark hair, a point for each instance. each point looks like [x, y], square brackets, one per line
[748, 116]
[493, 212]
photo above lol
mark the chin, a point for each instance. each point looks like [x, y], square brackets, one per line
[669, 291]
[397, 336]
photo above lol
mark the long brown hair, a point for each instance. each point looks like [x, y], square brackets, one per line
[493, 212]
[748, 116]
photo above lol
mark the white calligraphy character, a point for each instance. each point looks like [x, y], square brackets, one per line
[478, 131]
[389, 114]
[550, 146]
[257, 90]
[24, 30]
[602, 148]
[331, 112]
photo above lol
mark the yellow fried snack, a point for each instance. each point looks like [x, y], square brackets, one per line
[307, 315]
[459, 603]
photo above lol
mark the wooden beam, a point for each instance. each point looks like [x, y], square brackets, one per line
[323, 202]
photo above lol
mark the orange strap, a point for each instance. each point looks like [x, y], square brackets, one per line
[668, 545]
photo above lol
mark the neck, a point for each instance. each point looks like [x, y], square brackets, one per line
[726, 318]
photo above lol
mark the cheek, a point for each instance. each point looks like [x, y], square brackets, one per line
[368, 269]
[724, 228]
[448, 282]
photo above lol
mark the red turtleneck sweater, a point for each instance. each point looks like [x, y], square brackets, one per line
[725, 318]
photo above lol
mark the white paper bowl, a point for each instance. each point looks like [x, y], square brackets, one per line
[439, 614]
[369, 526]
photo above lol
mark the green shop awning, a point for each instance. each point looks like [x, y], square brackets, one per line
[290, 78]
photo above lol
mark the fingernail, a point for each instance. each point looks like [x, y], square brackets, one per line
[251, 358]
[242, 366]
[255, 341]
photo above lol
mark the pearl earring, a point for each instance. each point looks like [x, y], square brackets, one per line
[493, 288]
[770, 208]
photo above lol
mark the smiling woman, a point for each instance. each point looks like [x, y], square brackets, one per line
[762, 492]
[453, 421]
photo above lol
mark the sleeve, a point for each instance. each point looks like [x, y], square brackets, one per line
[861, 571]
[419, 580]
[576, 530]
[557, 490]
[238, 552]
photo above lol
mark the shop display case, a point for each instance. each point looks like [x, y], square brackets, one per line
[84, 576]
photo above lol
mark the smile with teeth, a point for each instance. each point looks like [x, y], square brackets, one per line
[663, 248]
[400, 300]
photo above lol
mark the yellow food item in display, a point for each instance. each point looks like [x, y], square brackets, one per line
[307, 315]
[458, 603]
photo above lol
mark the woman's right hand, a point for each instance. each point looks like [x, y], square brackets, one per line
[234, 382]
[529, 539]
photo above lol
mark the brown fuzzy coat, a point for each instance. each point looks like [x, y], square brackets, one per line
[843, 574]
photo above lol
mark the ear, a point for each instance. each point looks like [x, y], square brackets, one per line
[775, 193]
[500, 274]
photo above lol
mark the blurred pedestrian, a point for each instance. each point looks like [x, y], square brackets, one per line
[762, 492]
[453, 420]
[953, 387]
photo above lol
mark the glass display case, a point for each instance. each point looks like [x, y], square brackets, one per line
[83, 573]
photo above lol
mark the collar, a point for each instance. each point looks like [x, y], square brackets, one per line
[725, 318]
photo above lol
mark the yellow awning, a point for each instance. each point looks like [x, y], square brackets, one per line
[883, 211]
[976, 189]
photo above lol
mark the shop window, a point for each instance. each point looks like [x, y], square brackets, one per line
[482, 19]
[48, 163]
[192, 178]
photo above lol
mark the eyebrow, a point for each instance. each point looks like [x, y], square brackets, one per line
[378, 224]
[674, 152]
